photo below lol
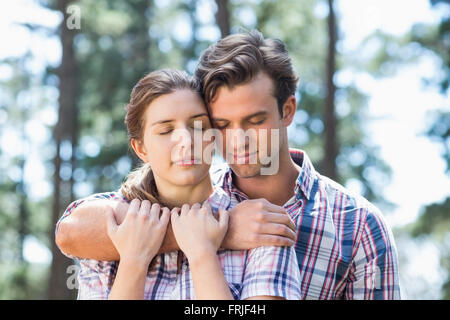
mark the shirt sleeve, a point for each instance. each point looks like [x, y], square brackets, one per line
[272, 271]
[373, 274]
[95, 279]
[117, 196]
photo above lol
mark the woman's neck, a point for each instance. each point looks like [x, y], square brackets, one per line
[175, 195]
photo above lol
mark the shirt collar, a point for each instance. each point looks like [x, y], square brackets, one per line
[304, 182]
[307, 175]
[219, 198]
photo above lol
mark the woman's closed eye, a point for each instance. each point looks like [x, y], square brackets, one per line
[164, 131]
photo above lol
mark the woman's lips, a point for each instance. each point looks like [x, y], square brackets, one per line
[187, 162]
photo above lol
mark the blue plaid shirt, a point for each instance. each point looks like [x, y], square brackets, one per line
[345, 249]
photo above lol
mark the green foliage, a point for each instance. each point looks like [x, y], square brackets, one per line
[434, 221]
[439, 131]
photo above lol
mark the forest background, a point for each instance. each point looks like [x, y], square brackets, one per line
[373, 113]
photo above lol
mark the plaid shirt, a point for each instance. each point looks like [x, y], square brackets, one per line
[345, 250]
[262, 271]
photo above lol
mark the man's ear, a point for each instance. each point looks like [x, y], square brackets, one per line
[289, 108]
[139, 149]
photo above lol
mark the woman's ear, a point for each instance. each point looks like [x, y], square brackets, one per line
[289, 108]
[139, 149]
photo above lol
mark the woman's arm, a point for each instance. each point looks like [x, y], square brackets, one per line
[209, 280]
[199, 235]
[137, 240]
[129, 283]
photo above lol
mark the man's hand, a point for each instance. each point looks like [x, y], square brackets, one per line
[257, 222]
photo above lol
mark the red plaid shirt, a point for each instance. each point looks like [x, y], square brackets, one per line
[345, 249]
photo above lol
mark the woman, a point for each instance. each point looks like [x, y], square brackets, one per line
[162, 120]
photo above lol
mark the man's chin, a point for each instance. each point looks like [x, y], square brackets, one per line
[246, 171]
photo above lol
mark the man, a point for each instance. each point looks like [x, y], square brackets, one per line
[344, 248]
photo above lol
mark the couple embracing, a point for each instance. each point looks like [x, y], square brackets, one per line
[265, 225]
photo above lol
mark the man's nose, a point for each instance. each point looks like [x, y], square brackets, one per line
[239, 140]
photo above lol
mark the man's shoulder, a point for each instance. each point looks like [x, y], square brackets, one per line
[359, 217]
[349, 201]
[111, 195]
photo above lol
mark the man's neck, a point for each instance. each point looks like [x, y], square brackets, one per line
[175, 195]
[277, 188]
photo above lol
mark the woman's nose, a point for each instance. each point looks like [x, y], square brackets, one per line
[182, 137]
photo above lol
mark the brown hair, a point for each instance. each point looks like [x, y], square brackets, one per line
[238, 58]
[140, 183]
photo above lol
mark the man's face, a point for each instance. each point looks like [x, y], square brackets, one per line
[248, 108]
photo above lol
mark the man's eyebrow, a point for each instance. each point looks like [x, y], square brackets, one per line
[260, 113]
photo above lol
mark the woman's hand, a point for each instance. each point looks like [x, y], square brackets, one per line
[140, 235]
[197, 231]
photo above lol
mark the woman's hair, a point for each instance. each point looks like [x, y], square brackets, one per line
[238, 58]
[140, 183]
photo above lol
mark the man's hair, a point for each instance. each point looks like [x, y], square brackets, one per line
[238, 58]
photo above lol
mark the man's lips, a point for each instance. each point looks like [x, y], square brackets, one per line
[244, 157]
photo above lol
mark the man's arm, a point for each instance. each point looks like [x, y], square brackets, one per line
[83, 232]
[253, 223]
[374, 271]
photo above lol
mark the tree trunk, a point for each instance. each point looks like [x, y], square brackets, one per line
[141, 44]
[142, 62]
[330, 121]
[223, 17]
[65, 129]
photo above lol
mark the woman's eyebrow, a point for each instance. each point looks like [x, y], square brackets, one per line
[160, 122]
[199, 115]
[170, 120]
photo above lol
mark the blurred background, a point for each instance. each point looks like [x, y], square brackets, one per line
[373, 113]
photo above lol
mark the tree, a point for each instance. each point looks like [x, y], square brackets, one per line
[434, 221]
[223, 17]
[330, 121]
[66, 130]
[18, 112]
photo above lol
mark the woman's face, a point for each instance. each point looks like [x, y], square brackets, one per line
[171, 129]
